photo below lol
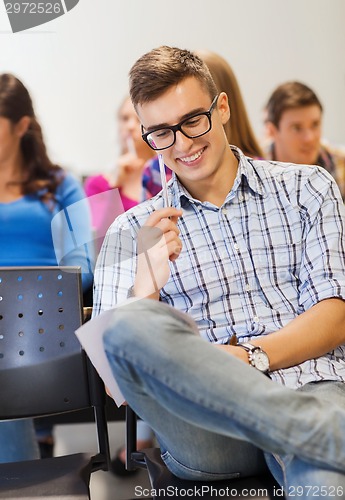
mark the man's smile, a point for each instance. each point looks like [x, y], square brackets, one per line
[192, 158]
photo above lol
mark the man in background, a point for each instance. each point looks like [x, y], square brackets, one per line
[294, 127]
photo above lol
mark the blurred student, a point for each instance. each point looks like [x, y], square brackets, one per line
[238, 129]
[122, 187]
[112, 193]
[294, 128]
[33, 190]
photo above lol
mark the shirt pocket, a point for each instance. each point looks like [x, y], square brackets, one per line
[277, 271]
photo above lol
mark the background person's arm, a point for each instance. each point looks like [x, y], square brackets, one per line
[72, 230]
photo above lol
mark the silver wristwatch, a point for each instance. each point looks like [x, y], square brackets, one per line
[256, 357]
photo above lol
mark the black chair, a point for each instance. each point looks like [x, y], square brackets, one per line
[167, 484]
[44, 371]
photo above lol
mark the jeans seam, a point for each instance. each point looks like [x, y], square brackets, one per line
[281, 462]
[168, 458]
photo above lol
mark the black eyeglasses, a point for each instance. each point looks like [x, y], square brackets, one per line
[192, 127]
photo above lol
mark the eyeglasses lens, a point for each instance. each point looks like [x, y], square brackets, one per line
[192, 127]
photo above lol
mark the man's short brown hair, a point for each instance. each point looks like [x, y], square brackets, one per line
[289, 95]
[158, 70]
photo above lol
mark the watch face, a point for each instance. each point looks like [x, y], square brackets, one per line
[261, 362]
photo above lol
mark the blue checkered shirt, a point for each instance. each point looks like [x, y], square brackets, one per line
[273, 249]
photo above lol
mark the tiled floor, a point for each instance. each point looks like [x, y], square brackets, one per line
[104, 485]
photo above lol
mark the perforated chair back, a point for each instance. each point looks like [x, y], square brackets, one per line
[41, 364]
[43, 369]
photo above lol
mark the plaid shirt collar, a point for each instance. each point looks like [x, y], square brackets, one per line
[246, 173]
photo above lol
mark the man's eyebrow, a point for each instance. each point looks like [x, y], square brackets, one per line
[182, 118]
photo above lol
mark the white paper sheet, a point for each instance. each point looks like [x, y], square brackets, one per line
[90, 336]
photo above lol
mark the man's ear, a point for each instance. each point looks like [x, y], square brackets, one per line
[223, 107]
[270, 130]
[21, 127]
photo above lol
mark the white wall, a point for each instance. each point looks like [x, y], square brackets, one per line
[76, 66]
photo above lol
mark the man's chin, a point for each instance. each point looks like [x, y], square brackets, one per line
[307, 160]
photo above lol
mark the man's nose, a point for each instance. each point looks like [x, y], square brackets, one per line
[132, 124]
[309, 134]
[182, 142]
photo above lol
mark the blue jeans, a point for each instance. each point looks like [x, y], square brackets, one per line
[17, 441]
[216, 417]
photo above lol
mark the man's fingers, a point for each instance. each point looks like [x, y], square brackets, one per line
[163, 213]
[160, 223]
[174, 218]
[148, 237]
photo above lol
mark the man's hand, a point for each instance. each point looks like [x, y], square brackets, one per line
[129, 162]
[158, 242]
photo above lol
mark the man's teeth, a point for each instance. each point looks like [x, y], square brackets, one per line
[191, 158]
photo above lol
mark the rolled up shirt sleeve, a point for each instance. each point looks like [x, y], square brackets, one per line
[322, 271]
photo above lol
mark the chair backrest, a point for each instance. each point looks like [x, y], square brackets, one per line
[43, 369]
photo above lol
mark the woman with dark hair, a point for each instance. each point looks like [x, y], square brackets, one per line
[44, 219]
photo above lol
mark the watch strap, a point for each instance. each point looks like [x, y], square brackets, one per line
[252, 350]
[248, 347]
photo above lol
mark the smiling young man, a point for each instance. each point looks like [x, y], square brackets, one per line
[294, 127]
[250, 251]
